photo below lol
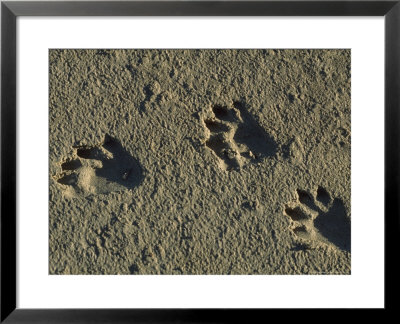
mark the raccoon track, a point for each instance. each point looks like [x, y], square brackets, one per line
[319, 218]
[236, 138]
[99, 169]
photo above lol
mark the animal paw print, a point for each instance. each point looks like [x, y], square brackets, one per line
[342, 137]
[318, 218]
[99, 169]
[236, 138]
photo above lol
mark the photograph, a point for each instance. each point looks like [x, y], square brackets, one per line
[199, 161]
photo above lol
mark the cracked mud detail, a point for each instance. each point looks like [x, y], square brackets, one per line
[99, 170]
[236, 138]
[318, 218]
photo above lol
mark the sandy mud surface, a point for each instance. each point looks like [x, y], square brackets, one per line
[199, 162]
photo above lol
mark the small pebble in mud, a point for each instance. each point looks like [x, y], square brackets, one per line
[126, 175]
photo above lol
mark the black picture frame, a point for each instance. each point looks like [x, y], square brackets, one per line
[10, 10]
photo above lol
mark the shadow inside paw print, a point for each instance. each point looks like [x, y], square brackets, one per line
[319, 218]
[100, 169]
[236, 138]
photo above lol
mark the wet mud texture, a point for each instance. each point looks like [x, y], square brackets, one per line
[199, 162]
